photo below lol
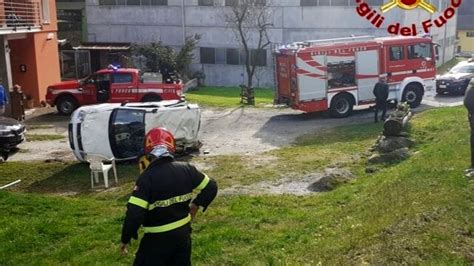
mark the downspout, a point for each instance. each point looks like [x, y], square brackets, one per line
[183, 13]
[444, 38]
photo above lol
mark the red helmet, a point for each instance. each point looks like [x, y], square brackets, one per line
[158, 142]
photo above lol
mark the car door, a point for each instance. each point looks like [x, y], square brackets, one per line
[122, 87]
[89, 90]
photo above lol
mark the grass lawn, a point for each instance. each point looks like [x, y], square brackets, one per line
[227, 96]
[419, 211]
[43, 137]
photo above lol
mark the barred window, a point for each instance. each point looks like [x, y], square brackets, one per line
[208, 55]
[206, 2]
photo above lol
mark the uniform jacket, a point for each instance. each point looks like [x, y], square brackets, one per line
[381, 92]
[160, 200]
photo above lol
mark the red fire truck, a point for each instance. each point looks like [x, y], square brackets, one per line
[337, 74]
[112, 85]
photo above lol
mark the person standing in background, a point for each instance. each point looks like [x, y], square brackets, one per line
[381, 96]
[3, 99]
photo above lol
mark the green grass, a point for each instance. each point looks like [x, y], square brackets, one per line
[227, 96]
[448, 65]
[43, 137]
[419, 211]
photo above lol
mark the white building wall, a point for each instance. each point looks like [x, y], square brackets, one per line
[291, 22]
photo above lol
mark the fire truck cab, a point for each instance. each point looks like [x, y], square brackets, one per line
[337, 74]
[112, 85]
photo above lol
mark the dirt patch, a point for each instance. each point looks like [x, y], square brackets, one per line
[316, 182]
[248, 131]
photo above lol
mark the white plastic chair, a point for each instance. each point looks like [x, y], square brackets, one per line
[101, 164]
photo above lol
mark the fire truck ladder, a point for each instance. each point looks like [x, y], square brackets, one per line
[334, 40]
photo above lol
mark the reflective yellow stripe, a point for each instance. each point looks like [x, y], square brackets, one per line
[167, 227]
[139, 202]
[171, 201]
[204, 183]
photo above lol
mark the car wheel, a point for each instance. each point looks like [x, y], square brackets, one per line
[151, 98]
[66, 105]
[413, 95]
[341, 106]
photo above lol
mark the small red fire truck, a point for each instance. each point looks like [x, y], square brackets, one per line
[337, 74]
[112, 85]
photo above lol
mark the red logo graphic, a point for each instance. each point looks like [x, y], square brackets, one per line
[375, 18]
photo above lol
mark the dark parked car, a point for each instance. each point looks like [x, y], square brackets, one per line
[12, 133]
[456, 80]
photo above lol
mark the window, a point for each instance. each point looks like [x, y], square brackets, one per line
[324, 2]
[231, 2]
[422, 50]
[242, 57]
[252, 2]
[308, 2]
[127, 132]
[45, 10]
[206, 2]
[470, 34]
[339, 2]
[220, 56]
[122, 78]
[69, 20]
[232, 56]
[396, 53]
[208, 55]
[159, 2]
[259, 57]
[106, 2]
[341, 74]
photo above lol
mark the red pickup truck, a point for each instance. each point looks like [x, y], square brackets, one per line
[110, 86]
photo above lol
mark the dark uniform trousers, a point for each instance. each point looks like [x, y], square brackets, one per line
[380, 106]
[381, 91]
[170, 248]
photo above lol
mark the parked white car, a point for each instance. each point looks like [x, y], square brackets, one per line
[118, 130]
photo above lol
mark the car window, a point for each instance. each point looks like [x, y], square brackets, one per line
[122, 78]
[422, 50]
[396, 53]
[127, 132]
[97, 78]
[463, 69]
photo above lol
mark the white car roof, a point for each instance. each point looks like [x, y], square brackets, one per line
[147, 106]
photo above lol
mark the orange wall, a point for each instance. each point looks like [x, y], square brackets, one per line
[53, 25]
[47, 61]
[22, 52]
[41, 57]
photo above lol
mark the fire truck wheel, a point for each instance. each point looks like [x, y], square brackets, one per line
[66, 105]
[341, 106]
[151, 98]
[413, 95]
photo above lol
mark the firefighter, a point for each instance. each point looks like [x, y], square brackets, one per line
[162, 202]
[381, 96]
[469, 104]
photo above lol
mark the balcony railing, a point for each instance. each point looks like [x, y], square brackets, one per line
[20, 15]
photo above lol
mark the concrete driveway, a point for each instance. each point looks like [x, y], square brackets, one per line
[223, 131]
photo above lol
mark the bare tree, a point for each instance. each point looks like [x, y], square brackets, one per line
[250, 20]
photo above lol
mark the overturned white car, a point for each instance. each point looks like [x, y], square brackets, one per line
[118, 130]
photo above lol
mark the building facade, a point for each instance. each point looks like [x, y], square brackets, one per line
[466, 28]
[29, 54]
[219, 56]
